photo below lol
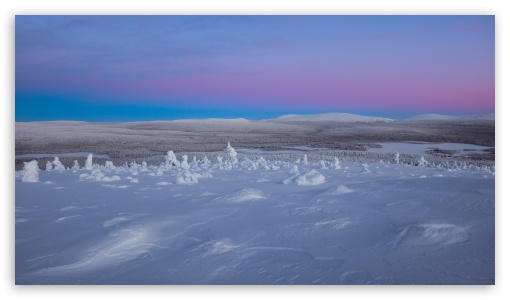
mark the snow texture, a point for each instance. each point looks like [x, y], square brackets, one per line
[257, 221]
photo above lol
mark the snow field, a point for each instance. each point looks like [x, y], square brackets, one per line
[231, 221]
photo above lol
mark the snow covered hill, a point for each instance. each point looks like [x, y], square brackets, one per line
[436, 117]
[336, 117]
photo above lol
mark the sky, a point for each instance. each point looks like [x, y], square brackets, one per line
[140, 68]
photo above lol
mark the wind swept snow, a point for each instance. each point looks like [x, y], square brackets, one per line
[245, 195]
[227, 219]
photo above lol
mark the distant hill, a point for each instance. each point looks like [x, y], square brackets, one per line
[436, 117]
[337, 117]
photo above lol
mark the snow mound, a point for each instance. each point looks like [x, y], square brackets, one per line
[336, 117]
[187, 177]
[245, 195]
[310, 178]
[339, 190]
[432, 235]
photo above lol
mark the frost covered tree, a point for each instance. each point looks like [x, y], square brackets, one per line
[206, 163]
[396, 158]
[58, 165]
[75, 166]
[109, 165]
[420, 162]
[31, 172]
[184, 163]
[220, 162]
[133, 168]
[231, 154]
[88, 162]
[336, 164]
[171, 160]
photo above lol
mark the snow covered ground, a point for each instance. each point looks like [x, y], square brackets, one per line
[229, 221]
[422, 148]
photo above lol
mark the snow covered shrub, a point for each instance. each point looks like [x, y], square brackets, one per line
[49, 166]
[396, 158]
[171, 160]
[31, 172]
[305, 160]
[323, 165]
[420, 162]
[144, 167]
[365, 168]
[88, 162]
[58, 165]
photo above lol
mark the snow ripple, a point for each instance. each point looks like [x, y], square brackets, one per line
[245, 195]
[127, 244]
[431, 235]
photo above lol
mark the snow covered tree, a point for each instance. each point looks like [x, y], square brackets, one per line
[336, 164]
[133, 168]
[88, 162]
[396, 158]
[305, 160]
[231, 154]
[58, 165]
[171, 160]
[31, 172]
[206, 163]
[109, 165]
[184, 163]
[49, 166]
[420, 162]
[76, 166]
